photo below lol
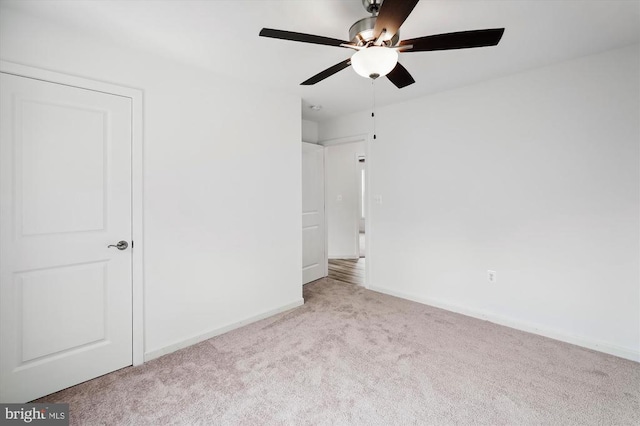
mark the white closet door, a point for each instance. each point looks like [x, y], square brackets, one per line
[314, 259]
[65, 187]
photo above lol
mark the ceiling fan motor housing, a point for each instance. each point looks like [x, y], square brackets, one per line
[362, 32]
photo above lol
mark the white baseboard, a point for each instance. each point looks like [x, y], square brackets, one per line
[344, 256]
[156, 353]
[596, 345]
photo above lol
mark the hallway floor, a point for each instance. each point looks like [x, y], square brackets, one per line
[347, 270]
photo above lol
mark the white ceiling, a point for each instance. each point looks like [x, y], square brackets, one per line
[223, 36]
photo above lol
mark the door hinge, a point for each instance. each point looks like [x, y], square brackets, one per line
[131, 243]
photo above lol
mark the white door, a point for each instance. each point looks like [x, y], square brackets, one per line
[314, 259]
[65, 190]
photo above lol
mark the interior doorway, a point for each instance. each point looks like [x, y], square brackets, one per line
[346, 209]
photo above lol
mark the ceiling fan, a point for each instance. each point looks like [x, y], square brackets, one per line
[376, 40]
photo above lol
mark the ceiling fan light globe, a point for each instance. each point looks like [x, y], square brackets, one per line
[374, 61]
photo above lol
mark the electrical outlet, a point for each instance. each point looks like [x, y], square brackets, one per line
[491, 276]
[378, 199]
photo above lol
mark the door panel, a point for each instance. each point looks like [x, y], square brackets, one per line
[313, 235]
[52, 197]
[46, 308]
[65, 186]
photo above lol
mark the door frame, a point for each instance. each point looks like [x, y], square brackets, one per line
[137, 176]
[362, 201]
[368, 229]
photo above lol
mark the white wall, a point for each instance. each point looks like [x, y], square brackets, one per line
[309, 131]
[342, 181]
[219, 194]
[535, 176]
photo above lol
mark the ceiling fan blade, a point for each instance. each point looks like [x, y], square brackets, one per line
[400, 76]
[305, 38]
[326, 73]
[459, 40]
[391, 16]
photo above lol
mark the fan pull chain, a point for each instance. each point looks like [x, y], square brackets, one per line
[373, 108]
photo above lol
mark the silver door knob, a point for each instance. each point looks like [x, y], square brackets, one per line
[122, 245]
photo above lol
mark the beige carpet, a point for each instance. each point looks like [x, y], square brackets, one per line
[352, 356]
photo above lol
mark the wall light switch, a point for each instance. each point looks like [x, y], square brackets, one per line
[491, 276]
